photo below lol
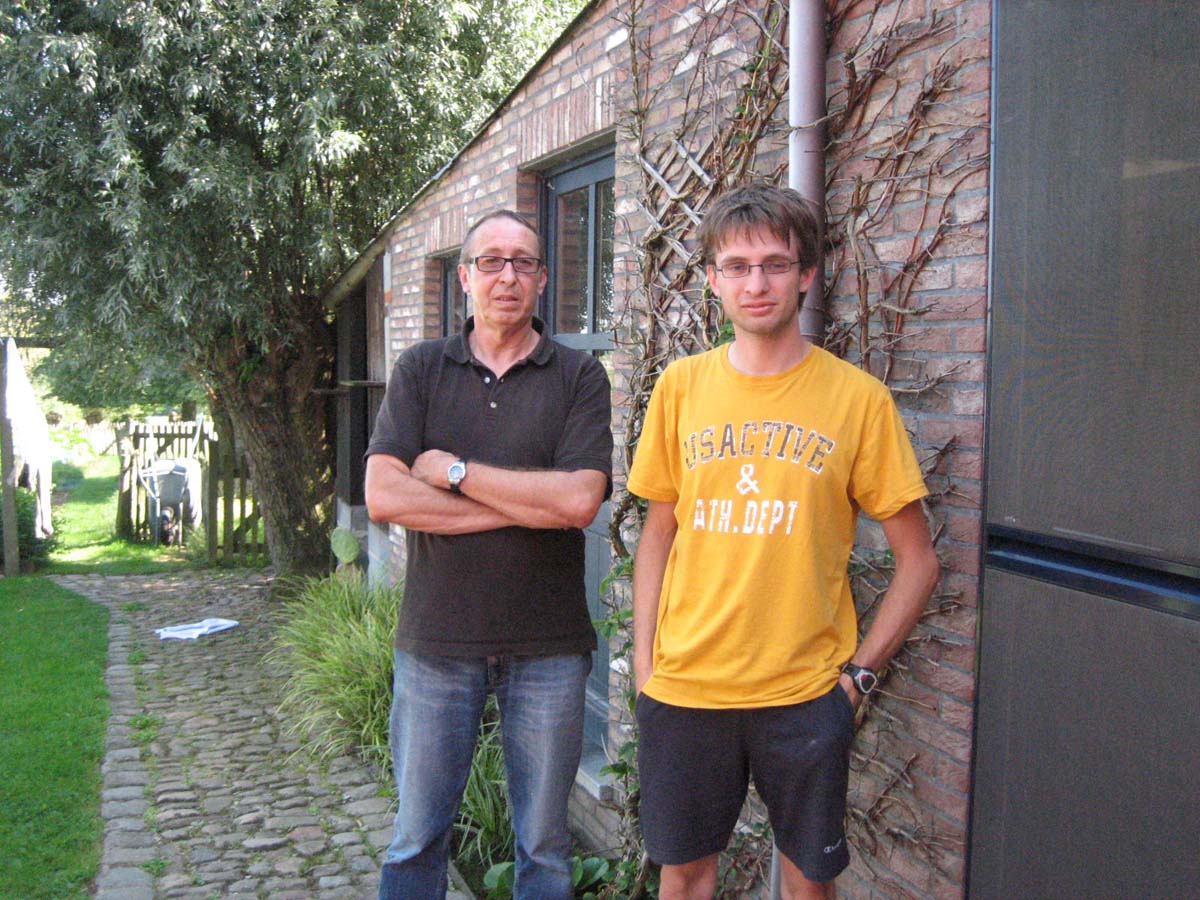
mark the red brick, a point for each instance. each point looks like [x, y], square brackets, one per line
[966, 464]
[973, 17]
[950, 803]
[928, 339]
[964, 242]
[957, 714]
[964, 527]
[967, 402]
[942, 737]
[945, 889]
[965, 494]
[968, 305]
[914, 871]
[954, 681]
[966, 432]
[970, 338]
[976, 78]
[971, 274]
[951, 773]
[965, 588]
[961, 656]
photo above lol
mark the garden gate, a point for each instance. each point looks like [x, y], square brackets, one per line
[230, 518]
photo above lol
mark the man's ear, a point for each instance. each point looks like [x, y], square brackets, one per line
[807, 277]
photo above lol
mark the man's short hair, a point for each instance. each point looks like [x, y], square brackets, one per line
[467, 253]
[780, 210]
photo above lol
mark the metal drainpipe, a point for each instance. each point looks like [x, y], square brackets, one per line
[806, 173]
[806, 114]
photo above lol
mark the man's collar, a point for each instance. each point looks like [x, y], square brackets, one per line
[458, 348]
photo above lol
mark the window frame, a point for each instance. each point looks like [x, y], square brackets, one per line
[590, 171]
[449, 289]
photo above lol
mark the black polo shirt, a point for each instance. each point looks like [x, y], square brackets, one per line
[510, 590]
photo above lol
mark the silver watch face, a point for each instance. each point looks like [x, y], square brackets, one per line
[865, 681]
[456, 473]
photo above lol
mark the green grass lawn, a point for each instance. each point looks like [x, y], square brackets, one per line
[87, 542]
[53, 708]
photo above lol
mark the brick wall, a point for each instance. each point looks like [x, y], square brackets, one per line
[929, 721]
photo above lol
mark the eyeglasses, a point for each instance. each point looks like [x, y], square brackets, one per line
[523, 265]
[770, 267]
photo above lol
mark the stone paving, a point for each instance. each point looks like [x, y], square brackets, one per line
[204, 794]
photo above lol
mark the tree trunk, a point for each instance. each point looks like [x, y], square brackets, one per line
[280, 418]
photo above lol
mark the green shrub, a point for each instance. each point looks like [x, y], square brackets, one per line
[33, 549]
[335, 643]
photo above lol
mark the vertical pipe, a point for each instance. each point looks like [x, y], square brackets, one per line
[806, 173]
[806, 113]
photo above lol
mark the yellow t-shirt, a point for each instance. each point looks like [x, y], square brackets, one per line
[767, 475]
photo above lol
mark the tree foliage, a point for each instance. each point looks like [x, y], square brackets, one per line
[83, 370]
[192, 174]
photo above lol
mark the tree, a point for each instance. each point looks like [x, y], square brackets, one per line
[83, 370]
[192, 174]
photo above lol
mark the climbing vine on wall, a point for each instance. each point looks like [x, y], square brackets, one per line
[711, 113]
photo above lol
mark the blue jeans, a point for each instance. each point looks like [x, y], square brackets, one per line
[437, 704]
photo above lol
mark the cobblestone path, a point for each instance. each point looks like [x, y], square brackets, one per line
[204, 796]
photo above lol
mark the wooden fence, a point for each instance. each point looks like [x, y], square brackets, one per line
[230, 520]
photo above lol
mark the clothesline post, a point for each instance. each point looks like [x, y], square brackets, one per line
[12, 550]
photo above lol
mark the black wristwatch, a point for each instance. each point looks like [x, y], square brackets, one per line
[865, 680]
[455, 474]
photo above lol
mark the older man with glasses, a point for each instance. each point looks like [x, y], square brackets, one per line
[493, 450]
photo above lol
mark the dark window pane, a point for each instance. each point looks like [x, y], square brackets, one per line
[605, 226]
[456, 306]
[571, 273]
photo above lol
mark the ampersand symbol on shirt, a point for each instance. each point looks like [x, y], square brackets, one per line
[747, 482]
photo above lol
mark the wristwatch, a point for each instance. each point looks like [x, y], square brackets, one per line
[455, 474]
[865, 680]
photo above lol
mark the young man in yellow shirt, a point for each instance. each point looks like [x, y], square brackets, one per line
[756, 458]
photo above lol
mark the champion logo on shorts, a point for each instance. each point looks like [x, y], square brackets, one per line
[833, 847]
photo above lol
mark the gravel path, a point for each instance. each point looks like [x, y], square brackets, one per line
[204, 795]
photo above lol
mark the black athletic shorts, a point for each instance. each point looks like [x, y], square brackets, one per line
[695, 766]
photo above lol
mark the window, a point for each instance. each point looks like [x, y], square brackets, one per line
[578, 310]
[579, 228]
[456, 305]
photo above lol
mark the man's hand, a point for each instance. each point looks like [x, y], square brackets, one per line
[432, 466]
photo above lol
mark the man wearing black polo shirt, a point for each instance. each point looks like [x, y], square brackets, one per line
[493, 450]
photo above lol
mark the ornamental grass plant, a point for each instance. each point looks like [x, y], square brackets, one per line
[335, 644]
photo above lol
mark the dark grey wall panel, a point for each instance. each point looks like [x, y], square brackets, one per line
[1087, 754]
[1094, 401]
